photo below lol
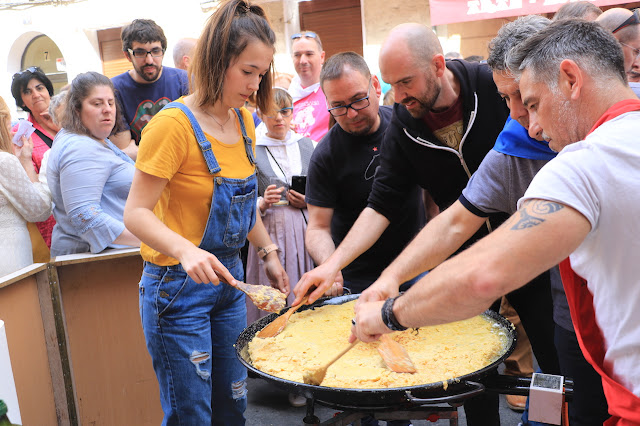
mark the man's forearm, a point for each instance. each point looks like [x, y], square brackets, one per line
[438, 240]
[319, 244]
[366, 230]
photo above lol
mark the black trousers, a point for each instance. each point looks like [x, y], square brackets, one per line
[534, 306]
[589, 406]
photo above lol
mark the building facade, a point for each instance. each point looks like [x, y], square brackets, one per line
[68, 37]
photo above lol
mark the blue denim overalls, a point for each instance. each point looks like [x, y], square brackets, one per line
[190, 328]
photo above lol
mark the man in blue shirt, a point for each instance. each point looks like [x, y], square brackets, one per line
[148, 87]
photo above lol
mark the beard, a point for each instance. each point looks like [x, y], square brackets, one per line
[564, 113]
[363, 131]
[425, 102]
[145, 76]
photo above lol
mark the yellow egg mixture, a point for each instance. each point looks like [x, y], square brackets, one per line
[314, 337]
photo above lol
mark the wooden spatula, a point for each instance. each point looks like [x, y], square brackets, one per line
[264, 297]
[395, 355]
[278, 324]
[315, 377]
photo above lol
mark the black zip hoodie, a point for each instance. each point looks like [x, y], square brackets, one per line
[411, 154]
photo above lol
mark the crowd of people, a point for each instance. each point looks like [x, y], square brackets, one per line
[471, 188]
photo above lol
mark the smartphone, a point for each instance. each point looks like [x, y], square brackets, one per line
[299, 183]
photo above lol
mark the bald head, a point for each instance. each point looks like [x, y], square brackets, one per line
[628, 36]
[415, 40]
[182, 52]
[613, 18]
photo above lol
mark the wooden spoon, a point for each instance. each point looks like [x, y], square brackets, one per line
[278, 324]
[264, 297]
[315, 377]
[395, 355]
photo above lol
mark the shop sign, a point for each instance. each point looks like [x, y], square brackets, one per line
[452, 11]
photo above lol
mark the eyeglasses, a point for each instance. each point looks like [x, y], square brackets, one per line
[285, 112]
[634, 19]
[356, 105]
[31, 70]
[141, 53]
[635, 51]
[308, 34]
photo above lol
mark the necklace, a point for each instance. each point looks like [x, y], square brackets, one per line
[217, 122]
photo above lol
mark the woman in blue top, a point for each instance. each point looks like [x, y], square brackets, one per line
[89, 177]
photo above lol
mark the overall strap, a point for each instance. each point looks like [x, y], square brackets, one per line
[247, 139]
[205, 145]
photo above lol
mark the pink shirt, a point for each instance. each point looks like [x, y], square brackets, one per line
[310, 116]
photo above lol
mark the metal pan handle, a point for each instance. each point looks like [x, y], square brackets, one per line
[478, 388]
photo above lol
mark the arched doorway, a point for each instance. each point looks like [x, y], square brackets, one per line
[44, 53]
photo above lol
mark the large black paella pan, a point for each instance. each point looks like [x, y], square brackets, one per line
[456, 389]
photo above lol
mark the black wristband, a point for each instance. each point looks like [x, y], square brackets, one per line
[389, 318]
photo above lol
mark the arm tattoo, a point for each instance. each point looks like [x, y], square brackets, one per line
[531, 212]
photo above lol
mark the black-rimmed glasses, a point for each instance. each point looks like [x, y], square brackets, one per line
[156, 52]
[356, 105]
[285, 112]
[309, 34]
[31, 70]
[634, 19]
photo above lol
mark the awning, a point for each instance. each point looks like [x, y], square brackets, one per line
[451, 11]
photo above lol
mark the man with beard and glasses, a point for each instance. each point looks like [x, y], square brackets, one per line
[447, 117]
[148, 87]
[580, 210]
[623, 24]
[342, 170]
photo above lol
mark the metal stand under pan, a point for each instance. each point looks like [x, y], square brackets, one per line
[349, 415]
[414, 409]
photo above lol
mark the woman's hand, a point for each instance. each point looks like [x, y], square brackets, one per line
[204, 267]
[25, 151]
[271, 196]
[296, 199]
[49, 120]
[276, 273]
[24, 154]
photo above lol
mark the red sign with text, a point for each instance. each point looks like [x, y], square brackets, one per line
[451, 11]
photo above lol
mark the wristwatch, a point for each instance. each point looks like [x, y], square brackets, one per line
[263, 251]
[388, 317]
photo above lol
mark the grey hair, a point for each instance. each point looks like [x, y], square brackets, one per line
[55, 102]
[511, 35]
[586, 43]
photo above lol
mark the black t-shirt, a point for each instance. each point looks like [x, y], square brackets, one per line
[340, 177]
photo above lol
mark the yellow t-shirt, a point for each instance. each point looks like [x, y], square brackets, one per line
[168, 149]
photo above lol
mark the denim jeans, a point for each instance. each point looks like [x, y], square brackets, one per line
[186, 327]
[191, 328]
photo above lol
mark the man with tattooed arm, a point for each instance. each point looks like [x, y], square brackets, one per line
[581, 207]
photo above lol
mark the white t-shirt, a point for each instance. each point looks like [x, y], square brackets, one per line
[600, 178]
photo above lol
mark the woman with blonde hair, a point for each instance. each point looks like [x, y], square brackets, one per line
[193, 205]
[22, 197]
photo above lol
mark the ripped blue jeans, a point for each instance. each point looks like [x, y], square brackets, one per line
[190, 330]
